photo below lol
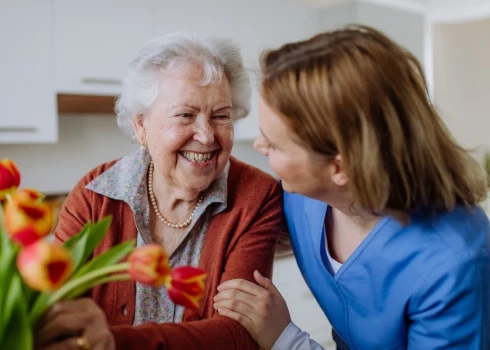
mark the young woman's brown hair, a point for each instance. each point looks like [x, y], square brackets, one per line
[356, 93]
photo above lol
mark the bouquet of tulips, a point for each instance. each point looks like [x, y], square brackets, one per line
[35, 274]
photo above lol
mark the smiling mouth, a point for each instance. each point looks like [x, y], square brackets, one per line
[197, 157]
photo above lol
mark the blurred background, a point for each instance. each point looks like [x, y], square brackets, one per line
[61, 64]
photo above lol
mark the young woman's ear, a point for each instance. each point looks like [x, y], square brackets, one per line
[339, 177]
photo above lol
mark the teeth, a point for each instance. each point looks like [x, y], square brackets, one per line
[197, 157]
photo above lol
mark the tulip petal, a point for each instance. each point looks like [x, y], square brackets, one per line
[27, 218]
[186, 286]
[25, 236]
[56, 271]
[9, 177]
[149, 265]
[181, 298]
[43, 266]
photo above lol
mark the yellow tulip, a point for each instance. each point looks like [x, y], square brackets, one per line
[44, 266]
[149, 265]
[26, 218]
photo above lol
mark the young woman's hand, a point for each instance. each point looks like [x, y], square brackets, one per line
[260, 308]
[74, 325]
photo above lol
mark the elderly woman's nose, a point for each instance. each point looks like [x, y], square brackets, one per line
[204, 133]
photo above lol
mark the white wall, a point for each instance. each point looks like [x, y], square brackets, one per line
[85, 142]
[405, 27]
[462, 80]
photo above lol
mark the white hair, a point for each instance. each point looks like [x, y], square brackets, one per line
[140, 87]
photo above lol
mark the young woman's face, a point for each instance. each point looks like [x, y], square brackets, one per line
[301, 170]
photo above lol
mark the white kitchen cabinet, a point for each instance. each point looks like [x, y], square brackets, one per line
[95, 39]
[303, 308]
[27, 93]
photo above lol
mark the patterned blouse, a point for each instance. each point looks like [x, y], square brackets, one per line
[126, 180]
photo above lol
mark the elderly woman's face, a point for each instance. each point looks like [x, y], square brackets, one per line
[189, 131]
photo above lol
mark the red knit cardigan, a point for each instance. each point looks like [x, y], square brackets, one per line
[239, 240]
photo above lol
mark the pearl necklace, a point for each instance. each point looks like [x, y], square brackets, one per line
[157, 211]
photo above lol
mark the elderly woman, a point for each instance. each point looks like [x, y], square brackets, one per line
[181, 189]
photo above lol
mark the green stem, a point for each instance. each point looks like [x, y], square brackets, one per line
[71, 285]
[45, 301]
[106, 279]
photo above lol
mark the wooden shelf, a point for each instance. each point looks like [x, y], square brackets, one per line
[85, 104]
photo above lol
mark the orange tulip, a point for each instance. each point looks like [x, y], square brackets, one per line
[9, 177]
[149, 265]
[186, 286]
[29, 194]
[27, 219]
[44, 266]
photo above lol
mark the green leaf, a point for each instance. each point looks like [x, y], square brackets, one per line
[8, 273]
[110, 257]
[82, 245]
[96, 235]
[18, 331]
[38, 309]
[76, 246]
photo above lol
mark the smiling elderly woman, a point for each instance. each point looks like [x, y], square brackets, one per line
[182, 190]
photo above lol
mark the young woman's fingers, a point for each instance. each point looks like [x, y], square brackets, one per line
[238, 296]
[240, 318]
[242, 285]
[238, 307]
[264, 282]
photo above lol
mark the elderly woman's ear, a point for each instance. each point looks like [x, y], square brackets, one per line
[139, 128]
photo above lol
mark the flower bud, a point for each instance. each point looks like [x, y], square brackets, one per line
[9, 177]
[149, 265]
[44, 266]
[26, 218]
[186, 286]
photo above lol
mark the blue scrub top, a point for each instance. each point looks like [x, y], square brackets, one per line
[421, 286]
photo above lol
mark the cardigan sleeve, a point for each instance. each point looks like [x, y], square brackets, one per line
[451, 308]
[253, 250]
[75, 213]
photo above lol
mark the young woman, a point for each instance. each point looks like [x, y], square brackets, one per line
[381, 202]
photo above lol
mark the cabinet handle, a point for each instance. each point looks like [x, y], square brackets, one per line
[17, 129]
[101, 81]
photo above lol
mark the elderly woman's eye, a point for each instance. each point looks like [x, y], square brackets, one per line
[221, 116]
[186, 115]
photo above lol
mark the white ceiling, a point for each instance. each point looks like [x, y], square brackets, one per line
[439, 10]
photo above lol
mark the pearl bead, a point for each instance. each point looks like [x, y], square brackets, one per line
[153, 201]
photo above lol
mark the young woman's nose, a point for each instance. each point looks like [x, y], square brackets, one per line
[260, 145]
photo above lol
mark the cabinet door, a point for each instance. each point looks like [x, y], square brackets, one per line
[27, 94]
[254, 24]
[95, 40]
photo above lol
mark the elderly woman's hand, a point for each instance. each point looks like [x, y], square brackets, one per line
[74, 325]
[261, 309]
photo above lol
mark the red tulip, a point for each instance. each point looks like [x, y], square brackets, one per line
[9, 177]
[149, 265]
[186, 286]
[43, 266]
[27, 219]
